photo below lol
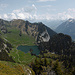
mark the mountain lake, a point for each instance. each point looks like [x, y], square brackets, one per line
[26, 49]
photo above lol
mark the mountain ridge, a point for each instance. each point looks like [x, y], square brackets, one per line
[32, 29]
[67, 27]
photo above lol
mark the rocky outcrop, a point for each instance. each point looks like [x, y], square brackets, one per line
[3, 29]
[4, 50]
[39, 31]
[43, 37]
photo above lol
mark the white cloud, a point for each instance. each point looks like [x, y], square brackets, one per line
[70, 13]
[45, 0]
[12, 16]
[0, 16]
[34, 6]
[31, 14]
[5, 16]
[27, 9]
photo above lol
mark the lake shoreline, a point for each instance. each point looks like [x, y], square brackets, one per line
[26, 49]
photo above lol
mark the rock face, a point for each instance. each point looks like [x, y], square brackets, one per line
[38, 30]
[67, 27]
[4, 50]
[3, 25]
[3, 29]
[44, 37]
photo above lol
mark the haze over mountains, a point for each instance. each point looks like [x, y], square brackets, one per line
[53, 24]
[67, 27]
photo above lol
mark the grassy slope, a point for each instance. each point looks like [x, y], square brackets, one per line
[21, 57]
[16, 40]
[8, 68]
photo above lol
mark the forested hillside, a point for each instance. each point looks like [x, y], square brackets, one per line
[57, 51]
[57, 57]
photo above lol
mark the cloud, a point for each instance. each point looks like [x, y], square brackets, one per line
[70, 13]
[30, 13]
[45, 0]
[0, 16]
[27, 9]
[34, 6]
[5, 16]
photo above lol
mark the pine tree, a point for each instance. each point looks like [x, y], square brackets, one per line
[57, 68]
[45, 62]
[50, 63]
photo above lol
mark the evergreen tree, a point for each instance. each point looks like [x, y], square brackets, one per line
[57, 68]
[50, 63]
[45, 62]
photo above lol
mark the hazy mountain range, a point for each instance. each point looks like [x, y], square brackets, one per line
[67, 27]
[53, 24]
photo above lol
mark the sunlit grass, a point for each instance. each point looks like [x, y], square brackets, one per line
[15, 39]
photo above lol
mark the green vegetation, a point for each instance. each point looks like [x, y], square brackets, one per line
[52, 64]
[15, 39]
[21, 57]
[57, 56]
[8, 68]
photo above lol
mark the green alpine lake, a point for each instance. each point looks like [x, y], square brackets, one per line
[26, 49]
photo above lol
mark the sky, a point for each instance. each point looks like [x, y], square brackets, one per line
[37, 10]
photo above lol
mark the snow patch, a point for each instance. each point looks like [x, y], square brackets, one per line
[70, 20]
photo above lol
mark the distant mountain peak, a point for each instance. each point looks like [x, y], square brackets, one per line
[67, 27]
[71, 20]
